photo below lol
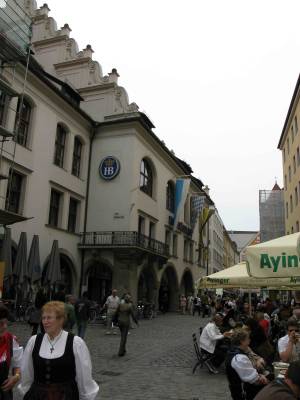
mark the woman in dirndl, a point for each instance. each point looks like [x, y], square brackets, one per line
[56, 364]
[10, 357]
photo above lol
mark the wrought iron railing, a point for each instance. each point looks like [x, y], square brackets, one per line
[123, 239]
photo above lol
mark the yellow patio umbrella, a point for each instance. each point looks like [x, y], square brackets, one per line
[277, 258]
[237, 277]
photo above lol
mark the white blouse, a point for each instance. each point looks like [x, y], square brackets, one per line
[243, 366]
[87, 387]
[16, 356]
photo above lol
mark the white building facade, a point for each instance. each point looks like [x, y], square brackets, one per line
[89, 170]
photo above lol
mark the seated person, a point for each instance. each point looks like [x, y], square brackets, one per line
[259, 342]
[263, 322]
[228, 320]
[287, 349]
[242, 376]
[284, 312]
[245, 313]
[288, 389]
[210, 336]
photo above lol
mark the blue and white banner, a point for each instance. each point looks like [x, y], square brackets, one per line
[197, 205]
[181, 191]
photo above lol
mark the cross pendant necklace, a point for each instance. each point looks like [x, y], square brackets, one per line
[54, 342]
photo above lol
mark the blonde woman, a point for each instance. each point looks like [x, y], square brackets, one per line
[56, 364]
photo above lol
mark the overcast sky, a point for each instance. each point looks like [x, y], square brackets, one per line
[216, 78]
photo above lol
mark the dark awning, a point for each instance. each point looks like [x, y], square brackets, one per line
[9, 218]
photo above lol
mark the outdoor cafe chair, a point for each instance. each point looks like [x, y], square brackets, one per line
[202, 359]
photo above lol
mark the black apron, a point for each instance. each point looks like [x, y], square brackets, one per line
[53, 379]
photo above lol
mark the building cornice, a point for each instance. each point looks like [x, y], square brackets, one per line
[50, 40]
[71, 63]
[291, 107]
[146, 123]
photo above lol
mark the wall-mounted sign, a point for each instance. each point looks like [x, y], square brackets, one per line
[109, 168]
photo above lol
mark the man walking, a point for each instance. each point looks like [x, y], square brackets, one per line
[82, 309]
[111, 304]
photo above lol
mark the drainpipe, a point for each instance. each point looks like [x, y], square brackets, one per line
[92, 136]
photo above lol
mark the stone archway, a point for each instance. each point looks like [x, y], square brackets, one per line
[99, 281]
[66, 270]
[168, 291]
[187, 283]
[146, 289]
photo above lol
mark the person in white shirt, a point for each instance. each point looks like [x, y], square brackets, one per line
[56, 364]
[241, 374]
[210, 336]
[111, 304]
[289, 345]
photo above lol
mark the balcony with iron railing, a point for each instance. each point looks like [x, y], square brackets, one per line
[123, 240]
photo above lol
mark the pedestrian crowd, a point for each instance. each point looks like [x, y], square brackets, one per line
[252, 338]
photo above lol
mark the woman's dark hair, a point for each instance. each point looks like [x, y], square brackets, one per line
[4, 313]
[251, 323]
[257, 334]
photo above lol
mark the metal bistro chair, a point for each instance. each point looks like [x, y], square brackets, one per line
[202, 359]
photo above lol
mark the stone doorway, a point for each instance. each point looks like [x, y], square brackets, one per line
[99, 282]
[168, 291]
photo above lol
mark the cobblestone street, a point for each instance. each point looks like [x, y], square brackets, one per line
[158, 363]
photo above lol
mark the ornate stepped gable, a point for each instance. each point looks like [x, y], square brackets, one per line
[59, 55]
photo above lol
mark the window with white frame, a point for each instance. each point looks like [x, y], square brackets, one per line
[3, 107]
[285, 182]
[146, 177]
[168, 240]
[73, 214]
[170, 197]
[55, 208]
[76, 163]
[60, 143]
[15, 187]
[185, 250]
[174, 247]
[191, 252]
[22, 122]
[141, 225]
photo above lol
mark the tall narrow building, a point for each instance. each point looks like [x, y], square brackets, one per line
[289, 144]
